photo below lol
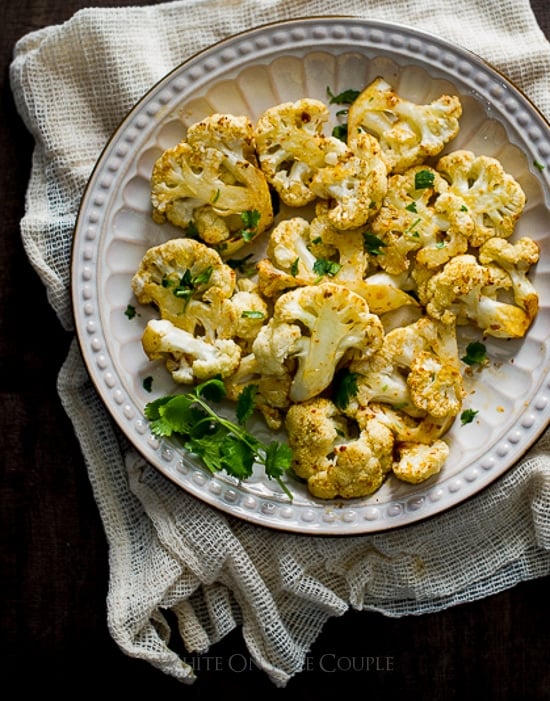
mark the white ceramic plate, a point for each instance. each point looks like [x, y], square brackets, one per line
[244, 75]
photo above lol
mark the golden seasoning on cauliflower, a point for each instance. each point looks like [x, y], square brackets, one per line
[467, 291]
[207, 321]
[416, 370]
[347, 248]
[270, 391]
[344, 257]
[412, 226]
[334, 462]
[189, 284]
[354, 186]
[417, 461]
[289, 259]
[301, 253]
[408, 133]
[516, 259]
[386, 293]
[345, 333]
[479, 187]
[314, 328]
[350, 458]
[188, 357]
[251, 312]
[405, 428]
[211, 182]
[291, 148]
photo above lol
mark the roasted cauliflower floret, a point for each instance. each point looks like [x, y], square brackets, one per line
[211, 181]
[491, 199]
[289, 261]
[405, 428]
[303, 253]
[333, 460]
[345, 248]
[418, 461]
[291, 148]
[516, 259]
[251, 313]
[315, 327]
[408, 132]
[189, 358]
[271, 395]
[190, 285]
[387, 293]
[348, 262]
[429, 351]
[416, 369]
[466, 291]
[383, 382]
[435, 386]
[355, 185]
[412, 226]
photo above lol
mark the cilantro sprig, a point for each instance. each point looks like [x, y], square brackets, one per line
[221, 444]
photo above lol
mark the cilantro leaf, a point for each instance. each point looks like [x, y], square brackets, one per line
[130, 311]
[467, 416]
[340, 131]
[181, 414]
[345, 384]
[147, 383]
[244, 265]
[476, 353]
[191, 231]
[237, 457]
[245, 403]
[346, 97]
[411, 230]
[423, 179]
[322, 266]
[373, 244]
[278, 460]
[185, 286]
[212, 389]
[250, 219]
[152, 409]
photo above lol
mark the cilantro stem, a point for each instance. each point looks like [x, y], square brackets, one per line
[241, 434]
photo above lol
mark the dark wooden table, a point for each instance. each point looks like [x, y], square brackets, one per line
[54, 554]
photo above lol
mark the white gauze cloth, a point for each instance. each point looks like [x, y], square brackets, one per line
[73, 85]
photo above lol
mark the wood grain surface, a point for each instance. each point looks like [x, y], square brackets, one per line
[54, 555]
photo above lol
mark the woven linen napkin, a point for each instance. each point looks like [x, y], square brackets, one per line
[73, 84]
